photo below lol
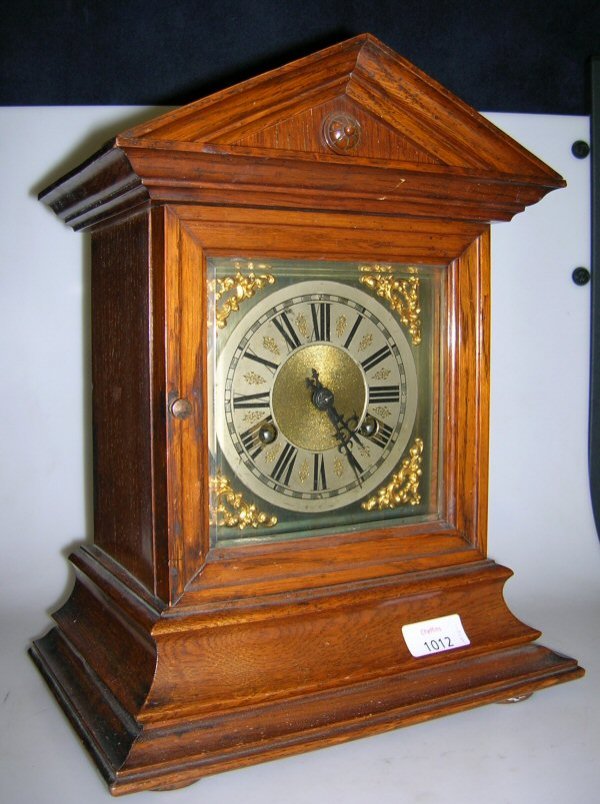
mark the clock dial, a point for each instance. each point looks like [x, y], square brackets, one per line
[317, 391]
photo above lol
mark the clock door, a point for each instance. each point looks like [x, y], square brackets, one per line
[322, 372]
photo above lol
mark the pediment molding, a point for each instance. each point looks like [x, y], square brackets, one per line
[419, 152]
[386, 88]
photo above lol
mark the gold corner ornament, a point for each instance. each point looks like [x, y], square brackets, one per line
[231, 291]
[403, 488]
[228, 508]
[402, 295]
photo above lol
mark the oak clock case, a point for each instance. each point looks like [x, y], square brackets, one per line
[290, 361]
[325, 397]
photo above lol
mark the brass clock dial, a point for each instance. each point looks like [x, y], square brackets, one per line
[319, 396]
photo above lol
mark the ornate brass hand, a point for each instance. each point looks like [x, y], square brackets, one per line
[345, 429]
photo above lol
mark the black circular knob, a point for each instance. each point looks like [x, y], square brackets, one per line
[581, 276]
[580, 149]
[322, 398]
[267, 433]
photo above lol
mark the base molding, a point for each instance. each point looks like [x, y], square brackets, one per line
[197, 719]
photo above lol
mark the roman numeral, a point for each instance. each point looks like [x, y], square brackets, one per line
[284, 325]
[250, 439]
[382, 435]
[251, 356]
[384, 393]
[251, 400]
[319, 479]
[285, 464]
[352, 332]
[321, 317]
[376, 358]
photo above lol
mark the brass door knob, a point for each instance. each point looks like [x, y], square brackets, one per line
[181, 408]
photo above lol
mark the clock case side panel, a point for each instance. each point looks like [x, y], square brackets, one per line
[128, 366]
[147, 355]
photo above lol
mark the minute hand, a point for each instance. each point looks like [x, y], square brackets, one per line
[345, 439]
[323, 399]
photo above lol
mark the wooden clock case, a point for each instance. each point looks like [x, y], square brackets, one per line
[174, 659]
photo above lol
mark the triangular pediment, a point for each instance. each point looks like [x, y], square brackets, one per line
[354, 128]
[314, 130]
[401, 115]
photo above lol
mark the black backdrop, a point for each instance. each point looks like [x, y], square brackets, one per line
[498, 55]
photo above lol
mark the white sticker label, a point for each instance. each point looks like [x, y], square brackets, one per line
[435, 636]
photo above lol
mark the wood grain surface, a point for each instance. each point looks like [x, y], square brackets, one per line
[174, 658]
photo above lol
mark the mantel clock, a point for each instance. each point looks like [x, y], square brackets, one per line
[290, 302]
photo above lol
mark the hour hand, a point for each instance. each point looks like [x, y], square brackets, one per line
[322, 397]
[313, 381]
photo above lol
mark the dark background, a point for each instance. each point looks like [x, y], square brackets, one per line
[512, 55]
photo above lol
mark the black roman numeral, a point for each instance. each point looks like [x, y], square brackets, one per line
[376, 358]
[250, 439]
[319, 479]
[384, 393]
[382, 434]
[352, 332]
[284, 325]
[251, 400]
[321, 318]
[285, 464]
[251, 356]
